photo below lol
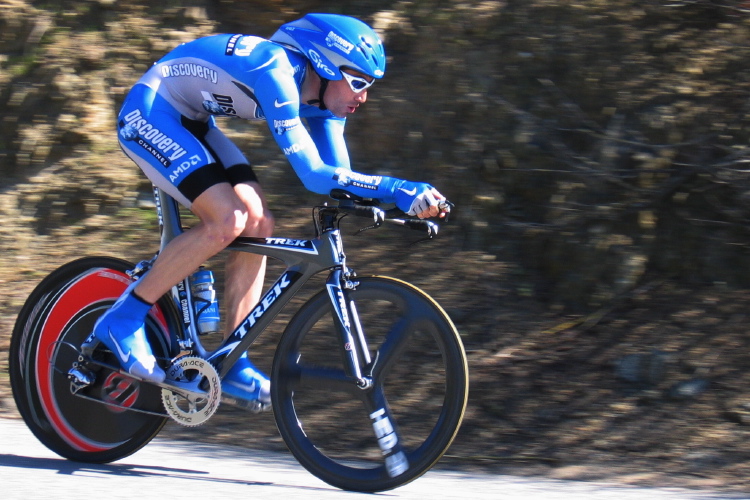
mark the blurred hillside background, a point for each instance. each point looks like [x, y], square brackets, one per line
[597, 152]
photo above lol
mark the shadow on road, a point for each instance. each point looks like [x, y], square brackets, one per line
[68, 467]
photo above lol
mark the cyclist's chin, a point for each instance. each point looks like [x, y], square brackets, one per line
[339, 113]
[342, 110]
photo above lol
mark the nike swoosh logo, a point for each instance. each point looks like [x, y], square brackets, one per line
[123, 357]
[282, 104]
[410, 193]
[247, 388]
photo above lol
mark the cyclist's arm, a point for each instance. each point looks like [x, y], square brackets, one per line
[328, 136]
[319, 156]
[327, 165]
[321, 177]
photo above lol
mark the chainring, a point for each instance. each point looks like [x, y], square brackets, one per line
[200, 373]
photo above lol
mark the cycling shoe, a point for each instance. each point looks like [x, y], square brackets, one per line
[122, 330]
[245, 384]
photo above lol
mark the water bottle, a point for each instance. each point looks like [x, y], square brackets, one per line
[204, 301]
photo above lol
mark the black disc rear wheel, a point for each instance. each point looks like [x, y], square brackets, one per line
[98, 425]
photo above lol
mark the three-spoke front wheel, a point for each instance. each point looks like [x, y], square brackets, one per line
[392, 431]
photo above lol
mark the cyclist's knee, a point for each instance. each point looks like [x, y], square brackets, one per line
[223, 228]
[267, 224]
[260, 223]
[222, 213]
[260, 220]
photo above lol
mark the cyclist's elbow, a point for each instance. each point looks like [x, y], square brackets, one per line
[316, 179]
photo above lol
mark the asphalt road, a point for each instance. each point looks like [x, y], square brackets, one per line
[182, 470]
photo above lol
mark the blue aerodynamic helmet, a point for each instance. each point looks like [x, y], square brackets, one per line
[332, 41]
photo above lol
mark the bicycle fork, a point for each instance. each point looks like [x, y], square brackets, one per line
[359, 365]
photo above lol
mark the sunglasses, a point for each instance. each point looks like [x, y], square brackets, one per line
[357, 83]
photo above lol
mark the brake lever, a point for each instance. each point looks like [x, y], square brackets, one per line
[380, 216]
[429, 227]
[446, 206]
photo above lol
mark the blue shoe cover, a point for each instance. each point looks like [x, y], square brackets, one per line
[122, 330]
[245, 382]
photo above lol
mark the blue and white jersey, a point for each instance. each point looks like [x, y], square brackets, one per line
[252, 78]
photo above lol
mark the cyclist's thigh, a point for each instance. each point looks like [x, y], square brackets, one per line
[243, 179]
[152, 134]
[237, 167]
[226, 151]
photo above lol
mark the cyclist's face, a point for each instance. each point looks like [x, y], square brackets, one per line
[340, 99]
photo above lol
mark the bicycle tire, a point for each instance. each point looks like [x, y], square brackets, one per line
[60, 313]
[320, 414]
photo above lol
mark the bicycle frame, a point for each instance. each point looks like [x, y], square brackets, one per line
[303, 259]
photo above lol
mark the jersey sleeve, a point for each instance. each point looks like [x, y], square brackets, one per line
[319, 156]
[328, 135]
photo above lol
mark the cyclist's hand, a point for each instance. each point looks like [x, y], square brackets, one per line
[420, 199]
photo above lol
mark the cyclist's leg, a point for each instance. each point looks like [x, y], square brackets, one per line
[156, 138]
[244, 283]
[222, 217]
[242, 293]
[245, 272]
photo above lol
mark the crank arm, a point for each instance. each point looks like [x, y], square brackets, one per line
[188, 390]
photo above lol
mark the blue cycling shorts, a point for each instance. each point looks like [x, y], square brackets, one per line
[183, 157]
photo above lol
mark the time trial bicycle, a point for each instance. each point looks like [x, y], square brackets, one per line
[369, 381]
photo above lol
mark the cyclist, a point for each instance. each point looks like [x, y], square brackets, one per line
[320, 68]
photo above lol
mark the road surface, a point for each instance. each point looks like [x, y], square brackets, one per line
[177, 470]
